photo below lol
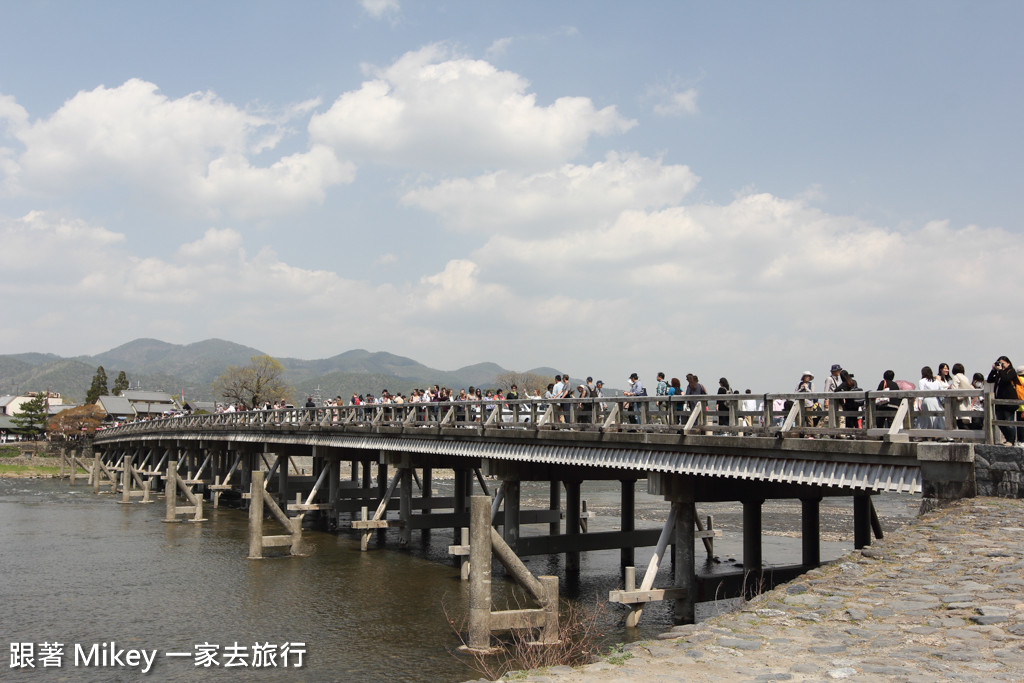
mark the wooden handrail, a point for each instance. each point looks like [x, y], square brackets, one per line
[772, 415]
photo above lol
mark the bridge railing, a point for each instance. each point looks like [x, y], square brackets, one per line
[962, 415]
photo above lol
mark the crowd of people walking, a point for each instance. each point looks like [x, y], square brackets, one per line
[1004, 381]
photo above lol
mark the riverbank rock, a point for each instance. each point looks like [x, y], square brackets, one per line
[939, 599]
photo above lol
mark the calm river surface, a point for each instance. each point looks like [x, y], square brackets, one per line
[81, 569]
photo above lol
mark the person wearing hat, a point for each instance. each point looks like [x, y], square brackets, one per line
[635, 389]
[806, 385]
[833, 379]
[584, 409]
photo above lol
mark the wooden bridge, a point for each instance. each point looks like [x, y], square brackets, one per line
[689, 449]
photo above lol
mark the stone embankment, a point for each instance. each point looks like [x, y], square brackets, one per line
[941, 599]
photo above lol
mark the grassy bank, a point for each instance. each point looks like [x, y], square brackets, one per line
[11, 471]
[13, 463]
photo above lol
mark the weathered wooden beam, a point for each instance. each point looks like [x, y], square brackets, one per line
[630, 597]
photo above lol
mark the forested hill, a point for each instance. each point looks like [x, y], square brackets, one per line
[190, 369]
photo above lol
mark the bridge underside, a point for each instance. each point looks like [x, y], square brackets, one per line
[685, 469]
[846, 465]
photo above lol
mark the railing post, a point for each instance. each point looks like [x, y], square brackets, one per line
[990, 417]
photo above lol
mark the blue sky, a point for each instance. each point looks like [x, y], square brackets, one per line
[743, 189]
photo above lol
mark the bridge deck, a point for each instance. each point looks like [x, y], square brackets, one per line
[607, 437]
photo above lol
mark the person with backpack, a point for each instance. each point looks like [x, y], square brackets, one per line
[1007, 387]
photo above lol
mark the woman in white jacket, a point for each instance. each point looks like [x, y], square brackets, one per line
[930, 403]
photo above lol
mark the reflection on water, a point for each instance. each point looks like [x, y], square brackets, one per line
[80, 568]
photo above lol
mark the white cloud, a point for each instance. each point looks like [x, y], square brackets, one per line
[677, 103]
[214, 244]
[192, 150]
[41, 246]
[457, 286]
[498, 48]
[293, 181]
[571, 196]
[765, 253]
[380, 8]
[436, 110]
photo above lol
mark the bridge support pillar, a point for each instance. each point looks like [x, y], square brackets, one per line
[511, 526]
[248, 464]
[459, 491]
[282, 480]
[382, 492]
[752, 537]
[95, 480]
[405, 505]
[366, 473]
[333, 490]
[216, 467]
[861, 521]
[555, 503]
[684, 499]
[810, 523]
[572, 522]
[627, 556]
[126, 478]
[463, 491]
[427, 492]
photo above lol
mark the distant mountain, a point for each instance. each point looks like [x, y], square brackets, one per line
[69, 377]
[188, 364]
[36, 358]
[190, 369]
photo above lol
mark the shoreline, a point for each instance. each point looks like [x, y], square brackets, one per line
[36, 462]
[941, 598]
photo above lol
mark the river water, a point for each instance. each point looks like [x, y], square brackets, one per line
[80, 570]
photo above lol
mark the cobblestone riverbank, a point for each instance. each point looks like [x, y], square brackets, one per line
[939, 599]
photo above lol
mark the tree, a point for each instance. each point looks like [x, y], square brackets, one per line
[68, 424]
[98, 387]
[120, 384]
[526, 382]
[31, 421]
[253, 384]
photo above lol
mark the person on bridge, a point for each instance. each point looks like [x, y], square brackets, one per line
[635, 389]
[675, 388]
[832, 383]
[567, 392]
[885, 408]
[1005, 379]
[944, 378]
[723, 406]
[961, 383]
[662, 388]
[848, 405]
[558, 391]
[585, 409]
[806, 385]
[930, 404]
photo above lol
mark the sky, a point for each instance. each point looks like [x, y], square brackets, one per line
[741, 189]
